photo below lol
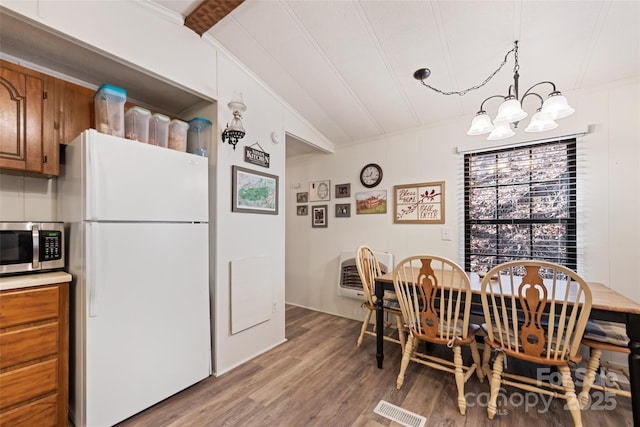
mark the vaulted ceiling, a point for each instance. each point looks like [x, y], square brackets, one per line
[347, 66]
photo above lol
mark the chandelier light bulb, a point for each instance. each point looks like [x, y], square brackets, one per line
[480, 124]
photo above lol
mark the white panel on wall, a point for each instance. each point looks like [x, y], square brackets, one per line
[251, 292]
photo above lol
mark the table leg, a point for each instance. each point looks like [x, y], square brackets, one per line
[379, 291]
[633, 331]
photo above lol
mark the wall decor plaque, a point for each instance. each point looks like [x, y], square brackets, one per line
[256, 156]
[421, 203]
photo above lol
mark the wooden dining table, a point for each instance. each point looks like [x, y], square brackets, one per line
[607, 305]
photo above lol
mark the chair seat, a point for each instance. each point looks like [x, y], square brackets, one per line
[391, 304]
[606, 332]
[453, 333]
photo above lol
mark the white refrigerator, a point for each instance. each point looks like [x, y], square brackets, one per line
[137, 236]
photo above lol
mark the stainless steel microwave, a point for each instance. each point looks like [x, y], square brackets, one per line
[31, 247]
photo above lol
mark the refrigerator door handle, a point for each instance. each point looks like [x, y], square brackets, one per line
[92, 258]
[93, 178]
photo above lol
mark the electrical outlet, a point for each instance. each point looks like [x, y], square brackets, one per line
[445, 233]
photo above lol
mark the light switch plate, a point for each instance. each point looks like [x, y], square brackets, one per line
[445, 233]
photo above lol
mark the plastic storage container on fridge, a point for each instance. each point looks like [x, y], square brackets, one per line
[109, 109]
[159, 130]
[198, 136]
[178, 135]
[136, 124]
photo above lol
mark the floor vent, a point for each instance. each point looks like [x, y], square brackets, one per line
[399, 415]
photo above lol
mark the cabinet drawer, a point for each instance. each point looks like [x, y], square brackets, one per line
[28, 344]
[28, 382]
[30, 305]
[42, 413]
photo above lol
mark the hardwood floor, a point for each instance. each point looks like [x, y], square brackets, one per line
[320, 378]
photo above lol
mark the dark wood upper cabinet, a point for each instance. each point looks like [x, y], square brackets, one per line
[38, 113]
[21, 116]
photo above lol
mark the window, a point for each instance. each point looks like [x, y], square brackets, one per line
[521, 203]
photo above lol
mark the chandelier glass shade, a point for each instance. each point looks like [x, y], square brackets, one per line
[501, 131]
[234, 132]
[541, 122]
[510, 111]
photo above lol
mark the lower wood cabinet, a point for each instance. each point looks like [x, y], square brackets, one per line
[34, 366]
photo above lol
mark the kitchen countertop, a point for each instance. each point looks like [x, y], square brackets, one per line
[35, 279]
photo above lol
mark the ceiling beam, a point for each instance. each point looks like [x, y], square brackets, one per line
[207, 13]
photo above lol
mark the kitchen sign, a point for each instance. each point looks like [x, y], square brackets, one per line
[255, 156]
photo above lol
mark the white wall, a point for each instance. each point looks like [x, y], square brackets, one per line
[26, 198]
[201, 66]
[131, 32]
[241, 236]
[609, 198]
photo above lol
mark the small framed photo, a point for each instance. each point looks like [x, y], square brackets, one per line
[343, 190]
[319, 216]
[302, 197]
[320, 191]
[343, 210]
[302, 210]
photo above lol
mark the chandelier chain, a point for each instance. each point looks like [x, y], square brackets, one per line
[464, 92]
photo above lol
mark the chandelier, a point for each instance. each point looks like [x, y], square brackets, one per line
[555, 107]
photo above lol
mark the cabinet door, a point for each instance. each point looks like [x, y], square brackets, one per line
[21, 109]
[76, 107]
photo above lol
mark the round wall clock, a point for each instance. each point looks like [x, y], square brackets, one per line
[371, 175]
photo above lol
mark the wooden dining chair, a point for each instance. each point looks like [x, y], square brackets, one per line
[368, 269]
[602, 336]
[435, 299]
[531, 314]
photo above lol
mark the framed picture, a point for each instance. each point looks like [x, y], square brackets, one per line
[343, 210]
[343, 190]
[421, 203]
[319, 216]
[302, 197]
[371, 202]
[302, 210]
[319, 191]
[254, 191]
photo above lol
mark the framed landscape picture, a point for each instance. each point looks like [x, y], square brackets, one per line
[421, 203]
[254, 191]
[371, 202]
